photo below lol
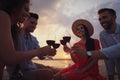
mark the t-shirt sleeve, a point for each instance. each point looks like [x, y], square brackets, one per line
[112, 52]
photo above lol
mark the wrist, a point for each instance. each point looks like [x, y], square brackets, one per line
[89, 53]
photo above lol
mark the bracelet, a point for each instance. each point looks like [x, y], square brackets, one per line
[89, 53]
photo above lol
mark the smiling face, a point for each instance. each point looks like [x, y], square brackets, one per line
[30, 24]
[80, 30]
[106, 20]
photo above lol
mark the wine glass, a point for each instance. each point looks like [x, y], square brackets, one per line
[50, 43]
[66, 39]
[56, 45]
[63, 42]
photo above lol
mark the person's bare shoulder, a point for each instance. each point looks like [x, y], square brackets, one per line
[4, 20]
[5, 26]
[3, 12]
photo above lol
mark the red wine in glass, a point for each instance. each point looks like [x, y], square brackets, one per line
[63, 42]
[56, 45]
[66, 38]
[50, 42]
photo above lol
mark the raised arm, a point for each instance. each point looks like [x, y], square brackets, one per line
[104, 53]
[8, 54]
[95, 54]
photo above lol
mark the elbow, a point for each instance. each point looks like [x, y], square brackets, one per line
[7, 62]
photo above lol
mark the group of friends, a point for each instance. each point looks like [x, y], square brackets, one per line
[18, 46]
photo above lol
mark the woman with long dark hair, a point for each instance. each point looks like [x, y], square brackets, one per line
[12, 12]
[84, 68]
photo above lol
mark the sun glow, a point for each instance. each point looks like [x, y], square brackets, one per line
[61, 54]
[66, 55]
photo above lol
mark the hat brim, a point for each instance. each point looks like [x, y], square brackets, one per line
[83, 22]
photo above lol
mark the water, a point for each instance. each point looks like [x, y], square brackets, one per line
[58, 63]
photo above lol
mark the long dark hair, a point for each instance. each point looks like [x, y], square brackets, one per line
[89, 42]
[15, 30]
[9, 5]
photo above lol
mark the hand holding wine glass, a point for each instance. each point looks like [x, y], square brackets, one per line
[46, 50]
[52, 43]
[65, 40]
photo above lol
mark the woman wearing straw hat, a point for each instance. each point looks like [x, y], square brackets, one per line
[84, 68]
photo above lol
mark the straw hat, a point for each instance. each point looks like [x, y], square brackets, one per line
[83, 22]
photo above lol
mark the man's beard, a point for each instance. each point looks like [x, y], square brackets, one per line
[109, 25]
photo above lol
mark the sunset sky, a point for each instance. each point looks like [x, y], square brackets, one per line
[57, 16]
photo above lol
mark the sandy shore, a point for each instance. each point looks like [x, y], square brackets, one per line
[62, 64]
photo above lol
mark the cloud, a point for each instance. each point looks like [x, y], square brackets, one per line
[43, 4]
[55, 14]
